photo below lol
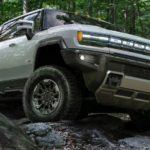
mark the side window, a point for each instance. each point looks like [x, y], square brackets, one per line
[8, 25]
[10, 29]
[37, 20]
[38, 23]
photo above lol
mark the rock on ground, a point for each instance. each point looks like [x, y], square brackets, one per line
[63, 136]
[138, 142]
[94, 133]
[12, 137]
[97, 132]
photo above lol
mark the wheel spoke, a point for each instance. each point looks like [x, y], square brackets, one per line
[51, 86]
[38, 95]
[51, 107]
[56, 99]
[39, 88]
[42, 110]
[56, 94]
[39, 106]
[43, 85]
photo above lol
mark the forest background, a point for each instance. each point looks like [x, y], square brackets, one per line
[132, 16]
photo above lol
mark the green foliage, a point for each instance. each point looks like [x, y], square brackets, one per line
[131, 15]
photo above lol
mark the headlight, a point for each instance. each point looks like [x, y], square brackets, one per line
[92, 39]
[105, 40]
[80, 36]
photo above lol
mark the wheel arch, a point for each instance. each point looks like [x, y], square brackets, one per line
[47, 52]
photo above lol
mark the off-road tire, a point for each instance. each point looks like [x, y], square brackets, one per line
[71, 99]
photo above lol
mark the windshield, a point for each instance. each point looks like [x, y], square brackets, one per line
[56, 18]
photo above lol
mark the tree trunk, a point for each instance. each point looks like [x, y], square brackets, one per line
[1, 9]
[74, 6]
[132, 19]
[113, 12]
[12, 138]
[125, 14]
[25, 6]
[140, 21]
[90, 8]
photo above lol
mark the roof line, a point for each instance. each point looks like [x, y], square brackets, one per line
[23, 15]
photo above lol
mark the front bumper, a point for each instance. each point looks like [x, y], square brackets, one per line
[95, 73]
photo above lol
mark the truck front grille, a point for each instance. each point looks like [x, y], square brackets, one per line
[137, 72]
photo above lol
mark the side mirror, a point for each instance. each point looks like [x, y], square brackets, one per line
[28, 26]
